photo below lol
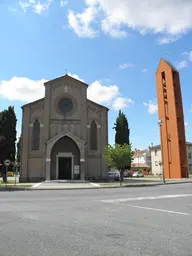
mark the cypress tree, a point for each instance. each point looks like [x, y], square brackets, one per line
[18, 150]
[8, 131]
[122, 129]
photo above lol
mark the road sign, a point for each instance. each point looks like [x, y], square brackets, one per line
[7, 162]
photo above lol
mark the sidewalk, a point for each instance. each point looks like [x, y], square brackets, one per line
[72, 185]
[58, 185]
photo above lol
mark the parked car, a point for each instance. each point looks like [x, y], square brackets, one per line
[127, 174]
[114, 175]
[138, 174]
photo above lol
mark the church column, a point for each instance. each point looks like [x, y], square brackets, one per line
[104, 142]
[48, 168]
[82, 162]
[82, 168]
[48, 162]
[25, 144]
[46, 128]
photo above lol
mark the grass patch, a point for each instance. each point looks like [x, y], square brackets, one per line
[11, 185]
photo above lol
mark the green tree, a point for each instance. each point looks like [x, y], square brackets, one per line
[8, 131]
[122, 129]
[118, 156]
[19, 149]
[2, 148]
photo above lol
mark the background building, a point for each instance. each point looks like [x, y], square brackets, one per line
[141, 160]
[156, 158]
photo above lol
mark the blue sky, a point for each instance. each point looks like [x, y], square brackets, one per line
[115, 46]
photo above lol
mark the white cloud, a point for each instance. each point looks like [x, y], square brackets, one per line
[145, 70]
[189, 54]
[80, 22]
[108, 95]
[126, 65]
[168, 39]
[102, 94]
[117, 18]
[186, 124]
[181, 64]
[151, 107]
[63, 3]
[22, 89]
[111, 28]
[36, 5]
[27, 90]
[76, 77]
[121, 103]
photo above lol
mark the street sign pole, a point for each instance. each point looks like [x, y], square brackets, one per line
[6, 163]
[6, 171]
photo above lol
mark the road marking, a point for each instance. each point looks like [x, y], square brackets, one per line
[36, 185]
[154, 209]
[144, 198]
[95, 184]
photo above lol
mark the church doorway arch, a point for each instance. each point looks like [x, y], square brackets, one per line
[65, 160]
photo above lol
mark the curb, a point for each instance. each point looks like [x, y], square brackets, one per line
[112, 187]
[127, 186]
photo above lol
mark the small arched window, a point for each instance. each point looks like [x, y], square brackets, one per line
[36, 135]
[93, 135]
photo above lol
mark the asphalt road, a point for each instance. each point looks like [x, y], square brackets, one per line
[147, 221]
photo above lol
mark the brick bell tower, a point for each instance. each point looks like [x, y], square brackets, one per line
[170, 110]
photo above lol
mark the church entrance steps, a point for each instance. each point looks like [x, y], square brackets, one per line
[66, 181]
[65, 184]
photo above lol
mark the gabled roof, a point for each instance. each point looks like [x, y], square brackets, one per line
[33, 102]
[139, 153]
[96, 104]
[168, 63]
[140, 165]
[65, 77]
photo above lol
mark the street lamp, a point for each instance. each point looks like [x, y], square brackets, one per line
[160, 123]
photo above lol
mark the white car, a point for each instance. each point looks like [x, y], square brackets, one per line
[114, 175]
[138, 174]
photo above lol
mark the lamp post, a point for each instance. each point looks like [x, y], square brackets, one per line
[160, 122]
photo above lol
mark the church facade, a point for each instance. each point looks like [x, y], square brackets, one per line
[63, 134]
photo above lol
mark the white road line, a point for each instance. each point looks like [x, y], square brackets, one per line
[95, 184]
[36, 185]
[154, 209]
[144, 198]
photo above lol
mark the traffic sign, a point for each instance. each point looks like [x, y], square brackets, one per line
[7, 162]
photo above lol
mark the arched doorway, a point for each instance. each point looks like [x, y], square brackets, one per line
[65, 160]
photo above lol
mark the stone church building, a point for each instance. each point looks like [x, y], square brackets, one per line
[63, 134]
